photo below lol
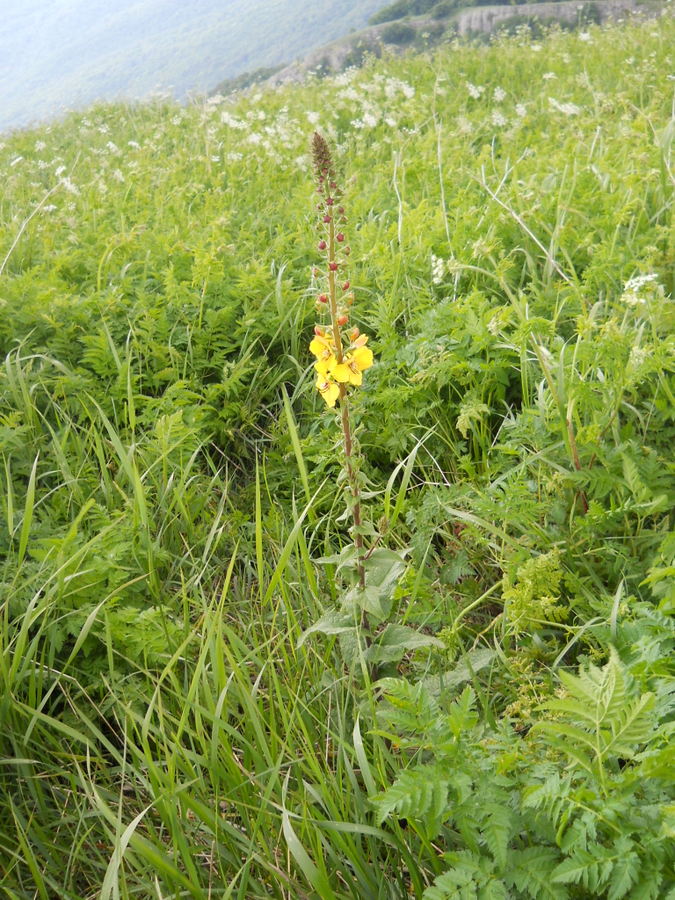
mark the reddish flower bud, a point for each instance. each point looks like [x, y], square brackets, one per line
[322, 298]
[341, 210]
[347, 251]
[322, 245]
[327, 218]
[342, 320]
[339, 237]
[333, 266]
[333, 185]
[345, 286]
[329, 201]
[318, 331]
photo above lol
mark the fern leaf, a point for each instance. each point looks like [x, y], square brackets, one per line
[591, 868]
[471, 877]
[497, 831]
[552, 730]
[633, 726]
[420, 795]
[649, 886]
[626, 870]
[530, 874]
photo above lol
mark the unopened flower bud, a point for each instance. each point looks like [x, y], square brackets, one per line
[322, 245]
[347, 251]
[333, 266]
[322, 298]
[345, 286]
[343, 319]
[327, 218]
[318, 331]
[341, 210]
[353, 334]
[329, 201]
[339, 237]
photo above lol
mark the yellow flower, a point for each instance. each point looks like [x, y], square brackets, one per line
[349, 371]
[328, 389]
[324, 350]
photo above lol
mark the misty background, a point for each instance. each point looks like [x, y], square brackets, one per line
[64, 54]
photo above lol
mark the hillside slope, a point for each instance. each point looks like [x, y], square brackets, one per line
[71, 53]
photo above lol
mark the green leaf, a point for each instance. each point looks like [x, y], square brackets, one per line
[392, 643]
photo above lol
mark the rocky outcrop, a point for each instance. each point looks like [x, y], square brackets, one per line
[476, 20]
[487, 18]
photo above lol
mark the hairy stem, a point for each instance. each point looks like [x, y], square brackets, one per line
[348, 442]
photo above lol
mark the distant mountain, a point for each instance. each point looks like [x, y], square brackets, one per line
[57, 54]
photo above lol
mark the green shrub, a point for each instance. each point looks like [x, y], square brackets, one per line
[399, 33]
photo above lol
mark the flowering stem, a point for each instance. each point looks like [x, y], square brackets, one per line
[344, 412]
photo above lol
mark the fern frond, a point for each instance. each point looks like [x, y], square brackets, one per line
[590, 868]
[498, 830]
[471, 876]
[633, 725]
[420, 795]
[626, 870]
[530, 873]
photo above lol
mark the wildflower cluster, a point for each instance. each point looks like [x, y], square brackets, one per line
[341, 356]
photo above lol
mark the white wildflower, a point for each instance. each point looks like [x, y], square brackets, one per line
[312, 117]
[493, 326]
[638, 355]
[464, 126]
[567, 109]
[134, 145]
[640, 288]
[40, 145]
[499, 94]
[112, 147]
[547, 76]
[118, 176]
[59, 171]
[498, 119]
[438, 269]
[584, 36]
[521, 110]
[474, 90]
[69, 186]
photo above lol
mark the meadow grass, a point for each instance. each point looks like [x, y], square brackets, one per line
[171, 505]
